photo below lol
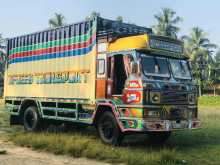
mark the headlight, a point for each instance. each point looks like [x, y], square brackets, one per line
[155, 97]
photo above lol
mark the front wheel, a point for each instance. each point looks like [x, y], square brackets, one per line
[108, 129]
[158, 137]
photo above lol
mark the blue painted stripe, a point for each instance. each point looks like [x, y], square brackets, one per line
[69, 53]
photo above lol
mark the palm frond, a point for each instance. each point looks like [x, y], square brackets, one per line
[184, 38]
[166, 21]
[209, 46]
[177, 20]
[57, 20]
[204, 41]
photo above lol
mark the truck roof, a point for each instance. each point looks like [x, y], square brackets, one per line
[105, 27]
[120, 29]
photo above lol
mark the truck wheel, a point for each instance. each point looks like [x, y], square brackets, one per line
[158, 137]
[108, 129]
[31, 119]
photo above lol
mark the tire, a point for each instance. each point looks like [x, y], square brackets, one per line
[31, 120]
[158, 137]
[108, 129]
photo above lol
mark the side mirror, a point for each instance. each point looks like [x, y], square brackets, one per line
[134, 67]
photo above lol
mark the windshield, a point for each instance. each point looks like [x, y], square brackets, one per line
[159, 67]
[155, 66]
[180, 69]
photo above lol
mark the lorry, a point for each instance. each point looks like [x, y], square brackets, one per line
[118, 77]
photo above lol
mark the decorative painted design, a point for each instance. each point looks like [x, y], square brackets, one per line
[134, 84]
[51, 55]
[131, 96]
[80, 44]
[130, 124]
[131, 112]
[50, 78]
[137, 112]
[117, 100]
[164, 45]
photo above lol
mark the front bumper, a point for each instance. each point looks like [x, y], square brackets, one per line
[171, 117]
[171, 125]
[146, 125]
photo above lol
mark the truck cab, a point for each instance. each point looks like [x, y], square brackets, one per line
[149, 82]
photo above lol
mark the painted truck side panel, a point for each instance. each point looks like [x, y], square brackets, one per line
[61, 68]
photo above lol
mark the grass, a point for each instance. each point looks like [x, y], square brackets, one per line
[209, 101]
[185, 147]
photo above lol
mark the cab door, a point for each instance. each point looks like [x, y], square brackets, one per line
[118, 72]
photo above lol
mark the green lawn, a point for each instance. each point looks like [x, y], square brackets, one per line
[184, 147]
[209, 101]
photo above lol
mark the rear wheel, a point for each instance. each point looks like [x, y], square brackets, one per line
[108, 129]
[31, 120]
[158, 137]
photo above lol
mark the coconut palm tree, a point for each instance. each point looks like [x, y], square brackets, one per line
[92, 15]
[217, 59]
[197, 40]
[3, 60]
[2, 48]
[57, 20]
[119, 18]
[166, 23]
[197, 44]
[2, 40]
[216, 68]
[200, 51]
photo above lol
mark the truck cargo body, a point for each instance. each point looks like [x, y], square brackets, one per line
[52, 68]
[97, 71]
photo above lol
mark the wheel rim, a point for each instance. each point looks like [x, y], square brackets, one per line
[30, 119]
[107, 129]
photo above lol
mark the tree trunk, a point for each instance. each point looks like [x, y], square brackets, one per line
[200, 90]
[214, 91]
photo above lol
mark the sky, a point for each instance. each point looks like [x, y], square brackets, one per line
[19, 17]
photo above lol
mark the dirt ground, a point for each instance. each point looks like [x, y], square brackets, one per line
[25, 156]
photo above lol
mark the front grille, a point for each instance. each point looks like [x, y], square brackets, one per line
[176, 114]
[174, 97]
[174, 87]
